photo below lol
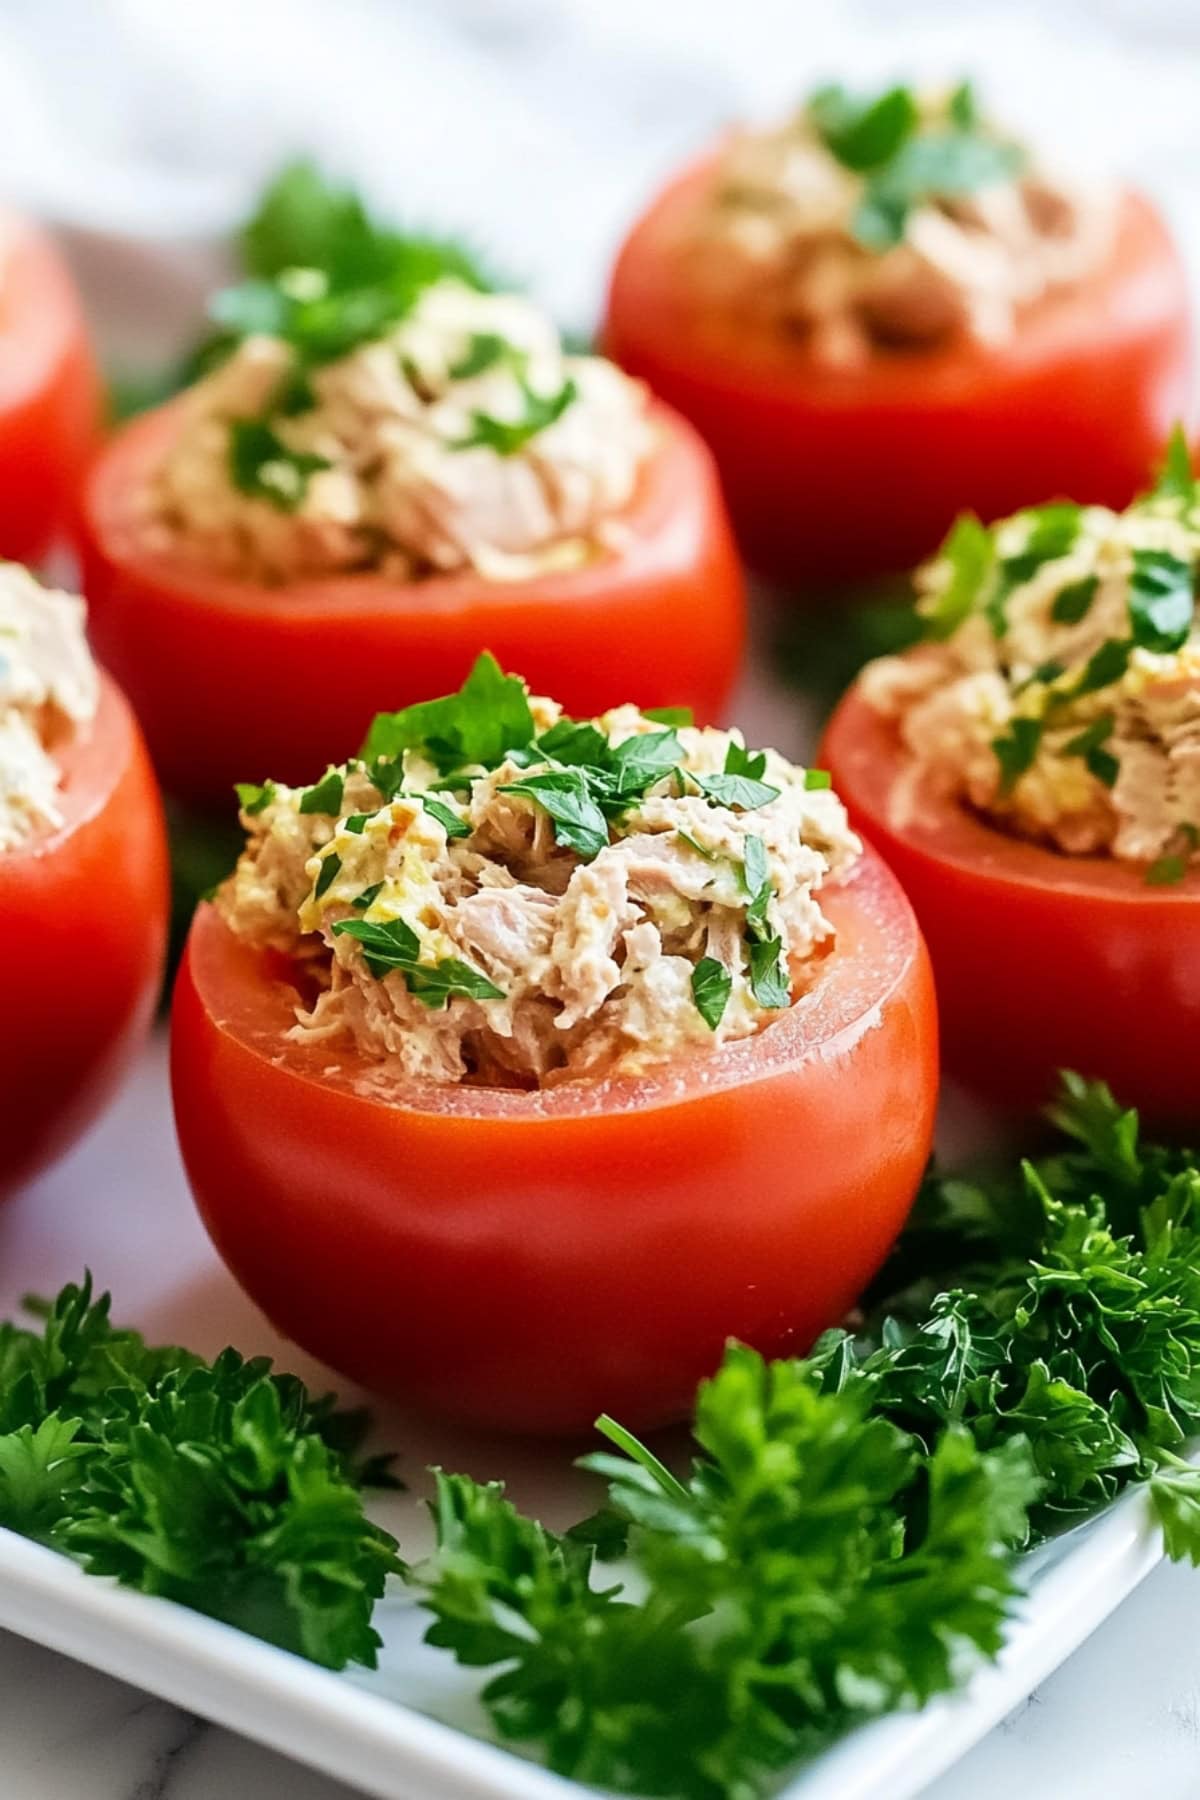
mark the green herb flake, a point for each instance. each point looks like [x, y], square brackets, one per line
[712, 985]
[326, 796]
[478, 726]
[1167, 870]
[485, 350]
[863, 134]
[676, 716]
[1072, 602]
[566, 798]
[393, 947]
[368, 896]
[756, 880]
[817, 781]
[741, 791]
[451, 824]
[1105, 666]
[1176, 481]
[1161, 600]
[331, 864]
[253, 799]
[969, 555]
[768, 973]
[262, 466]
[508, 437]
[1016, 749]
[357, 823]
[1090, 742]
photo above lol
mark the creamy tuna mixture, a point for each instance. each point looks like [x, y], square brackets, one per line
[1060, 690]
[498, 894]
[48, 688]
[460, 436]
[897, 222]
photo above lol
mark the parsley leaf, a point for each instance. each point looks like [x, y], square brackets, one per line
[479, 725]
[394, 947]
[1177, 481]
[252, 798]
[564, 794]
[1089, 743]
[862, 134]
[507, 437]
[756, 878]
[970, 553]
[768, 972]
[1161, 600]
[1104, 666]
[676, 716]
[222, 1485]
[712, 985]
[740, 761]
[331, 866]
[484, 351]
[326, 796]
[1016, 748]
[262, 466]
[817, 781]
[742, 791]
[1071, 603]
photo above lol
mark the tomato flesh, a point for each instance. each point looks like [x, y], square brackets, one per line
[83, 913]
[234, 681]
[1042, 961]
[50, 397]
[527, 1260]
[834, 475]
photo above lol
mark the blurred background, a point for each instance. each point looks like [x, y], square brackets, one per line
[143, 130]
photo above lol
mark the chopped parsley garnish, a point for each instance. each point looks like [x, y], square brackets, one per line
[817, 781]
[368, 896]
[1016, 749]
[1177, 481]
[1071, 603]
[507, 437]
[1171, 868]
[1104, 666]
[768, 972]
[1053, 533]
[741, 791]
[451, 824]
[252, 798]
[905, 161]
[326, 796]
[676, 716]
[477, 726]
[357, 823]
[262, 466]
[325, 276]
[331, 865]
[740, 761]
[484, 351]
[756, 879]
[394, 947]
[1161, 600]
[565, 795]
[970, 553]
[1090, 742]
[712, 985]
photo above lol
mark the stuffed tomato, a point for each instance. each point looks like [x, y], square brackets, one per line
[1031, 774]
[525, 1060]
[892, 299]
[49, 393]
[321, 527]
[83, 885]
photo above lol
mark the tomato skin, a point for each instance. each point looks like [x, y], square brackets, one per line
[83, 915]
[234, 682]
[1042, 961]
[526, 1261]
[839, 475]
[50, 395]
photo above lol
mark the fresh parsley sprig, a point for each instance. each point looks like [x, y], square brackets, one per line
[221, 1485]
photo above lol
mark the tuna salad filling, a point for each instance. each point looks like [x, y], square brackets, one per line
[899, 222]
[497, 894]
[1058, 690]
[460, 435]
[48, 689]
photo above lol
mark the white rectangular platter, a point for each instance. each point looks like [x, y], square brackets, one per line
[120, 1206]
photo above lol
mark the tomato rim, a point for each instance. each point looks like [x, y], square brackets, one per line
[119, 474]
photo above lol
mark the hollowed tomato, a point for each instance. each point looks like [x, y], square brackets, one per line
[235, 681]
[1042, 961]
[49, 394]
[526, 1260]
[834, 475]
[83, 912]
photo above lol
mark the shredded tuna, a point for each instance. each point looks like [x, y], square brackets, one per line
[48, 688]
[776, 244]
[397, 485]
[564, 965]
[1013, 715]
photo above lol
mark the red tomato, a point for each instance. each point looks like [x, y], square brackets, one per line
[83, 915]
[1043, 961]
[835, 475]
[234, 681]
[526, 1260]
[49, 394]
